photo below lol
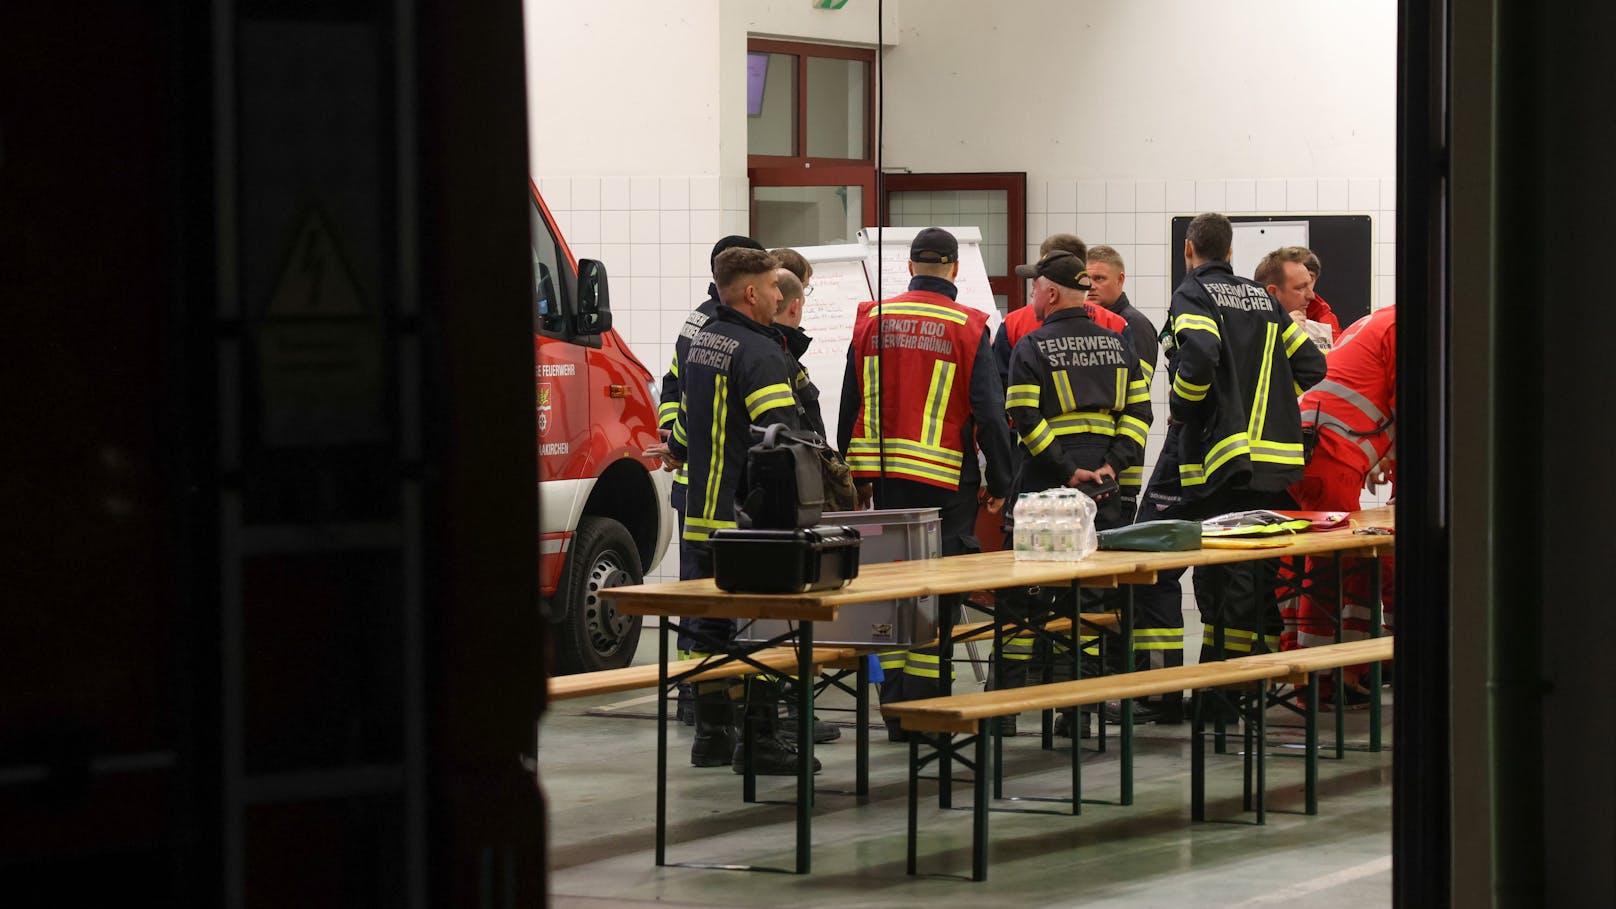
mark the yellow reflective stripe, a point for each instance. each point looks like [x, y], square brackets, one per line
[673, 365]
[768, 398]
[1189, 391]
[899, 464]
[668, 411]
[678, 433]
[1039, 438]
[942, 385]
[1134, 428]
[1021, 396]
[1277, 452]
[918, 308]
[1131, 476]
[1138, 391]
[1098, 422]
[681, 477]
[1231, 447]
[1122, 390]
[1193, 322]
[1063, 392]
[1294, 337]
[702, 528]
[1148, 370]
[893, 447]
[715, 470]
[1265, 376]
[1297, 388]
[872, 396]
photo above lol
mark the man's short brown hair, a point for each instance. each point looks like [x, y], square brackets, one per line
[1271, 270]
[1311, 263]
[739, 263]
[793, 261]
[1072, 243]
[790, 288]
[1108, 255]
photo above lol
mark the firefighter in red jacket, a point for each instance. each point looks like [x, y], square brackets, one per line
[1020, 321]
[1352, 416]
[920, 396]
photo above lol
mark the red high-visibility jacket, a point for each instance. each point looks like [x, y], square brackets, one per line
[915, 360]
[1355, 407]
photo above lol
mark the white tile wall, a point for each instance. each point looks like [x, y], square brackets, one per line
[1096, 211]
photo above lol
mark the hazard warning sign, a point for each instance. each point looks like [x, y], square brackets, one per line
[319, 347]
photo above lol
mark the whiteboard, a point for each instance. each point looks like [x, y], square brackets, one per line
[1255, 239]
[972, 280]
[840, 285]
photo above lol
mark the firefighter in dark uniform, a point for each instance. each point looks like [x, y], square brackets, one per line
[1080, 402]
[788, 321]
[735, 373]
[921, 394]
[668, 408]
[1106, 277]
[1237, 365]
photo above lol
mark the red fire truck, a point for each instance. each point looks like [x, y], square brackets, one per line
[603, 509]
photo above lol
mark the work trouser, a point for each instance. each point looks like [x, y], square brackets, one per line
[921, 666]
[1329, 485]
[1027, 658]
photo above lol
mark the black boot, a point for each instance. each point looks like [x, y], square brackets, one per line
[772, 755]
[823, 732]
[715, 732]
[891, 691]
[687, 704]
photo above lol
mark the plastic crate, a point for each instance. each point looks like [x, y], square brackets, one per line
[889, 535]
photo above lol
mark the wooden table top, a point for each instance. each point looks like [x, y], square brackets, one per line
[987, 570]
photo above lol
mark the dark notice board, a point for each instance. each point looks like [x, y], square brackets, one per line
[1342, 244]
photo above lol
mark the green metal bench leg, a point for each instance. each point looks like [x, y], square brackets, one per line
[998, 739]
[662, 746]
[1248, 765]
[945, 684]
[914, 799]
[1126, 627]
[1261, 702]
[1376, 620]
[1338, 675]
[861, 717]
[979, 811]
[1220, 737]
[1077, 771]
[1310, 787]
[805, 745]
[1197, 759]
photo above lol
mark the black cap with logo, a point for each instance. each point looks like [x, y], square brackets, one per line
[1060, 266]
[731, 242]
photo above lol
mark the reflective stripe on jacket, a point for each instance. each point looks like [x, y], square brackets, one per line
[1355, 407]
[1238, 365]
[1078, 399]
[921, 393]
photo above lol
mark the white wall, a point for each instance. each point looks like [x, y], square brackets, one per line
[1152, 88]
[624, 87]
[796, 20]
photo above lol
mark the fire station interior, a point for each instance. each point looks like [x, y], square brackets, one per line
[272, 630]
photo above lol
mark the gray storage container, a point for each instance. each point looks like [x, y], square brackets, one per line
[889, 535]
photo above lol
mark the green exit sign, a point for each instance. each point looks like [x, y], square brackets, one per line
[829, 4]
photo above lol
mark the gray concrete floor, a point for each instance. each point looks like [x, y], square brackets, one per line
[597, 762]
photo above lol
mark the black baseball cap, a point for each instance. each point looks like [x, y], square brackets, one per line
[1060, 266]
[934, 245]
[731, 242]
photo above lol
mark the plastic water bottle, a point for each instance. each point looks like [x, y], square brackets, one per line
[1041, 528]
[1022, 530]
[1066, 523]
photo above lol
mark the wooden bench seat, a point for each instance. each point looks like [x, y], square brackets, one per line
[630, 678]
[968, 713]
[960, 713]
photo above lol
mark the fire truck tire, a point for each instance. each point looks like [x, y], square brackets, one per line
[592, 635]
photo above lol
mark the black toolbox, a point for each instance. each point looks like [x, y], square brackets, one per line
[760, 560]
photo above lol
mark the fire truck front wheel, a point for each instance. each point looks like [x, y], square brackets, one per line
[592, 635]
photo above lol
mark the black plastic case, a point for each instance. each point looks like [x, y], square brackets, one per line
[757, 560]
